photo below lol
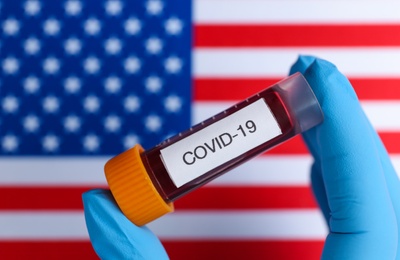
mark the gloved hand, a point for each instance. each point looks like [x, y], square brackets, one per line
[113, 236]
[352, 177]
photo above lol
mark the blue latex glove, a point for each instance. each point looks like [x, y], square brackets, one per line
[112, 235]
[352, 177]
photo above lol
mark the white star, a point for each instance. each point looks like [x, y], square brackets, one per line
[92, 26]
[32, 46]
[51, 27]
[72, 123]
[153, 84]
[154, 45]
[132, 65]
[130, 141]
[173, 26]
[10, 65]
[72, 46]
[51, 104]
[113, 46]
[112, 123]
[50, 143]
[154, 7]
[91, 104]
[132, 26]
[31, 84]
[10, 104]
[31, 123]
[32, 7]
[153, 123]
[10, 143]
[91, 143]
[173, 65]
[72, 84]
[113, 7]
[91, 65]
[173, 104]
[73, 7]
[112, 84]
[11, 26]
[51, 65]
[131, 103]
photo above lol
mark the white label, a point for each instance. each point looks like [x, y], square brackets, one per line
[220, 142]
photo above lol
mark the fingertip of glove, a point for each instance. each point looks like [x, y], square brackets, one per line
[302, 63]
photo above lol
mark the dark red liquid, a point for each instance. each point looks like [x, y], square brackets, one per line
[159, 175]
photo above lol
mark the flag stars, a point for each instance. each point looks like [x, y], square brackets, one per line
[173, 26]
[132, 65]
[91, 104]
[31, 84]
[132, 26]
[130, 140]
[131, 104]
[10, 65]
[112, 123]
[154, 7]
[51, 65]
[11, 27]
[72, 84]
[112, 84]
[31, 123]
[51, 104]
[32, 46]
[154, 45]
[73, 7]
[72, 46]
[32, 7]
[173, 104]
[113, 7]
[51, 27]
[50, 143]
[10, 104]
[153, 123]
[113, 46]
[91, 65]
[72, 124]
[153, 84]
[173, 65]
[10, 143]
[91, 143]
[92, 26]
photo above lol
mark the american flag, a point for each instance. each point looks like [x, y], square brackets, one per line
[84, 80]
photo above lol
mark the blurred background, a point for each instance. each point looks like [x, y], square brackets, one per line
[83, 80]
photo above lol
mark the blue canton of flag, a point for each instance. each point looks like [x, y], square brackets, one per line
[92, 77]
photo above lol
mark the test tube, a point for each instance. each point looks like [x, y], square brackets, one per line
[146, 183]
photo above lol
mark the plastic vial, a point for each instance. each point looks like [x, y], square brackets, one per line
[145, 183]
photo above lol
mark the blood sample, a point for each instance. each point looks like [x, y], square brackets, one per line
[145, 183]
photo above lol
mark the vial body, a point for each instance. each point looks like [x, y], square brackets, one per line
[209, 149]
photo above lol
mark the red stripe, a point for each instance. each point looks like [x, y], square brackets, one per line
[255, 249]
[59, 250]
[238, 35]
[210, 198]
[238, 89]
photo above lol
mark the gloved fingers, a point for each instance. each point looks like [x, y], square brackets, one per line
[362, 216]
[318, 188]
[112, 235]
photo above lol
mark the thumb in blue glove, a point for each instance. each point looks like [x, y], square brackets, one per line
[112, 235]
[353, 179]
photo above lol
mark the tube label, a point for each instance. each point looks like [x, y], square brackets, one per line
[220, 142]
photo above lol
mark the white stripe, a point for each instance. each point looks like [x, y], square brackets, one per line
[281, 12]
[34, 225]
[44, 171]
[262, 224]
[269, 170]
[384, 115]
[276, 62]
